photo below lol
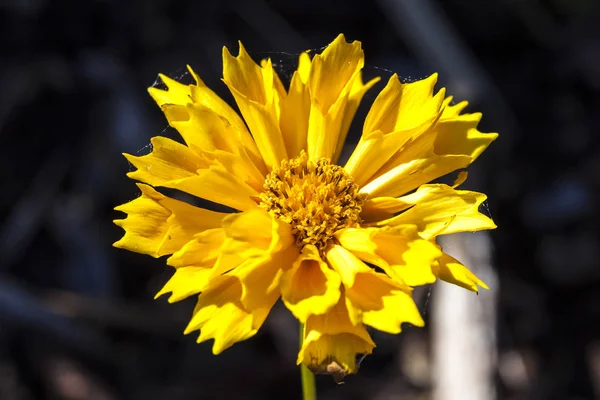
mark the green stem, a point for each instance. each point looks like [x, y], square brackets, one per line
[309, 388]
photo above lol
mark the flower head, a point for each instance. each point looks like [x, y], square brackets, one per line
[342, 246]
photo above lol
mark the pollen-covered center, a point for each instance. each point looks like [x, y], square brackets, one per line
[315, 197]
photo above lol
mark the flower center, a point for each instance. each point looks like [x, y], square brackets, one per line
[315, 197]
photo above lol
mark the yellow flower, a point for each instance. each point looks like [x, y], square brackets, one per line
[342, 246]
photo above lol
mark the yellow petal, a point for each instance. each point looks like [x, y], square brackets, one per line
[295, 111]
[173, 165]
[279, 89]
[461, 177]
[304, 64]
[346, 264]
[240, 165]
[399, 251]
[193, 265]
[255, 91]
[185, 282]
[204, 97]
[459, 135]
[412, 174]
[201, 128]
[336, 88]
[357, 91]
[257, 229]
[252, 237]
[210, 137]
[452, 110]
[158, 225]
[405, 106]
[380, 208]
[377, 301]
[202, 251]
[451, 270]
[331, 343]
[310, 287]
[168, 161]
[416, 163]
[259, 247]
[452, 143]
[261, 276]
[179, 103]
[441, 210]
[176, 93]
[399, 113]
[333, 69]
[324, 128]
[218, 185]
[221, 316]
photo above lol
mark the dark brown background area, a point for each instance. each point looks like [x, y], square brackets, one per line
[77, 319]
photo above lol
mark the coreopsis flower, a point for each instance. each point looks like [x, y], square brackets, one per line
[343, 246]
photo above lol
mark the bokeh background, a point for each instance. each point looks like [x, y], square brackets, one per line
[77, 319]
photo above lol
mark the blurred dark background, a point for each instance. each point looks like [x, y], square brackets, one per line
[77, 319]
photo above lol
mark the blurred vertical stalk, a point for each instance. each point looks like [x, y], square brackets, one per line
[464, 326]
[309, 388]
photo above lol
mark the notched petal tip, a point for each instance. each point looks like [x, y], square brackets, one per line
[225, 51]
[241, 48]
[196, 77]
[174, 93]
[242, 53]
